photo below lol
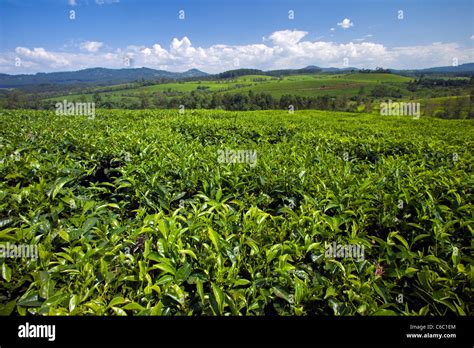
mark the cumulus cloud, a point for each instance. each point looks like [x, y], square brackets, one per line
[72, 2]
[182, 47]
[39, 54]
[346, 23]
[282, 49]
[91, 46]
[286, 38]
[436, 54]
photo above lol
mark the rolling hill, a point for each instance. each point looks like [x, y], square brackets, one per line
[107, 77]
[94, 76]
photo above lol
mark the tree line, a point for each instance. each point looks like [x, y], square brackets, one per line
[449, 108]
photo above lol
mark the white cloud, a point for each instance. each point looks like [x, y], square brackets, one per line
[181, 47]
[436, 54]
[39, 54]
[332, 29]
[91, 46]
[472, 37]
[287, 38]
[282, 49]
[72, 2]
[346, 23]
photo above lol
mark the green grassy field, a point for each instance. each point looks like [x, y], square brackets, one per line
[136, 212]
[303, 85]
[125, 90]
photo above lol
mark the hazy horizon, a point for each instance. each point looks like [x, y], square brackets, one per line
[203, 71]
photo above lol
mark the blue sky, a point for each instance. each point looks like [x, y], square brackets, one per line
[258, 34]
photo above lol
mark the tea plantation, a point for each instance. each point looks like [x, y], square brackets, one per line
[133, 213]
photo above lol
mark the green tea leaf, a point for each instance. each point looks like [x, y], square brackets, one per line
[6, 272]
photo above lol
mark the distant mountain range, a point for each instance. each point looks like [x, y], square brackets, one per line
[458, 69]
[105, 77]
[95, 76]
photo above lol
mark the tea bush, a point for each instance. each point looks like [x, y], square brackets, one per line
[132, 214]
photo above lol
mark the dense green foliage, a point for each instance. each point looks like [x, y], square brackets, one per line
[133, 214]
